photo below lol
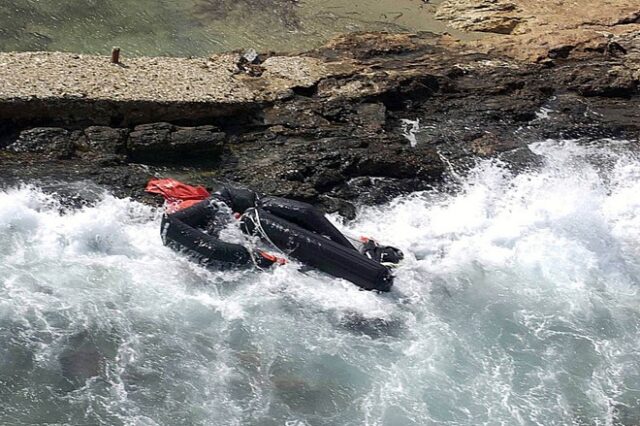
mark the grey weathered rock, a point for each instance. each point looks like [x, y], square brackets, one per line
[106, 140]
[164, 142]
[51, 141]
[485, 15]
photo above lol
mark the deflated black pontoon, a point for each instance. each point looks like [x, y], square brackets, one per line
[183, 230]
[317, 251]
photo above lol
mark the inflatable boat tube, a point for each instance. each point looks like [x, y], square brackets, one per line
[317, 251]
[181, 231]
[304, 215]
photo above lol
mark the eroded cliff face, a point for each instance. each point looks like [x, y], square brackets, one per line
[329, 126]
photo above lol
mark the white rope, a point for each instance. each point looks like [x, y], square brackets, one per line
[263, 234]
[252, 254]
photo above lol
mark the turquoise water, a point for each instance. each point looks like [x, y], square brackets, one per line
[518, 304]
[199, 27]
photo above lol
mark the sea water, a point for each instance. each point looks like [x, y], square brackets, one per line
[202, 27]
[518, 303]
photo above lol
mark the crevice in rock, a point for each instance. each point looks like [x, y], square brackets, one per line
[407, 92]
[307, 92]
[8, 133]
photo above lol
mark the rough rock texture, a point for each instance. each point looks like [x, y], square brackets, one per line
[490, 16]
[164, 142]
[52, 141]
[542, 29]
[101, 139]
[325, 127]
[154, 142]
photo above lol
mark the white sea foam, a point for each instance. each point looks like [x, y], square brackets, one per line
[518, 303]
[410, 129]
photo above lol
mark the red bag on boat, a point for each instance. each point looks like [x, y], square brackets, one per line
[177, 195]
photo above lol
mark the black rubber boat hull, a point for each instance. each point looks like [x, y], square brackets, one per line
[180, 232]
[318, 252]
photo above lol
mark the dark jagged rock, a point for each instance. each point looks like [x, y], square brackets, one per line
[327, 127]
[51, 141]
[164, 142]
[52, 175]
[338, 205]
[106, 140]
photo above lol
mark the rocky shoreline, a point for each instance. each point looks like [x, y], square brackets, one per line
[325, 126]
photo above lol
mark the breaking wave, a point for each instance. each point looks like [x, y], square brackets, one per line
[518, 303]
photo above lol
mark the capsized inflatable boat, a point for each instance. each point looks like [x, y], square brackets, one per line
[295, 229]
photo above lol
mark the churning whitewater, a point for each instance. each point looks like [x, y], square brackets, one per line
[518, 303]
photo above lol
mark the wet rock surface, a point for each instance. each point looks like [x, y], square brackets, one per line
[330, 126]
[164, 142]
[102, 139]
[50, 141]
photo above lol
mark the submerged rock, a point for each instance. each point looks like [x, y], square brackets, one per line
[81, 360]
[375, 328]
